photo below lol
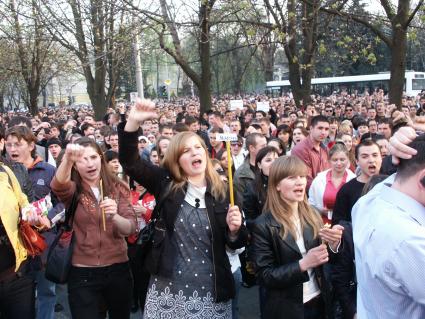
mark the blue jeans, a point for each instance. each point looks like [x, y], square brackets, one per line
[237, 276]
[46, 296]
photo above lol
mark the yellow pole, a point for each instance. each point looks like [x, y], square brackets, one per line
[103, 209]
[229, 170]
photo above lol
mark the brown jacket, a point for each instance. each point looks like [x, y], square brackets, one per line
[93, 246]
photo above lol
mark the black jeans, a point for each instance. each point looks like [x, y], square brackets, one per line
[92, 288]
[17, 298]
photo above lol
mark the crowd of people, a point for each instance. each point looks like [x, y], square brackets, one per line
[327, 219]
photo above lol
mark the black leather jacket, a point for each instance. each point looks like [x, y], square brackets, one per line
[157, 180]
[276, 262]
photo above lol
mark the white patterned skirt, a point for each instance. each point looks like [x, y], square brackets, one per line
[180, 301]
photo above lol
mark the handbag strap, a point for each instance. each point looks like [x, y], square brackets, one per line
[70, 211]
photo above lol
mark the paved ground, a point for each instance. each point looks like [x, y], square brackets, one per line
[248, 304]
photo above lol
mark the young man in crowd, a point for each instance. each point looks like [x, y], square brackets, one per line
[369, 160]
[312, 150]
[246, 172]
[384, 128]
[216, 145]
[238, 152]
[113, 141]
[373, 126]
[54, 145]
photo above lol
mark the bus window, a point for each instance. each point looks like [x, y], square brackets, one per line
[418, 84]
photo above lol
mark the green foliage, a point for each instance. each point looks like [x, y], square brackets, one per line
[372, 58]
[322, 48]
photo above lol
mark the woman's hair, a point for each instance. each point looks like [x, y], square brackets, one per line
[110, 155]
[283, 128]
[345, 128]
[281, 145]
[337, 148]
[258, 180]
[282, 168]
[111, 183]
[302, 129]
[171, 162]
[160, 139]
[375, 179]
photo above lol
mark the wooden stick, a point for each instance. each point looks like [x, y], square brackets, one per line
[229, 170]
[103, 209]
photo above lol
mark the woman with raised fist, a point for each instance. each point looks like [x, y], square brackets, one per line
[100, 277]
[190, 271]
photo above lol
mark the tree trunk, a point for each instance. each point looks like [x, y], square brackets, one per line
[204, 52]
[237, 73]
[2, 110]
[398, 66]
[33, 100]
[268, 60]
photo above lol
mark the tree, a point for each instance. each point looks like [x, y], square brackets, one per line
[31, 48]
[393, 32]
[201, 79]
[98, 34]
[298, 27]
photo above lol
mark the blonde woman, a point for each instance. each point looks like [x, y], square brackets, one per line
[288, 247]
[190, 274]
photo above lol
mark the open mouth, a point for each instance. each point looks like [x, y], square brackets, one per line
[299, 192]
[14, 156]
[372, 168]
[92, 171]
[197, 163]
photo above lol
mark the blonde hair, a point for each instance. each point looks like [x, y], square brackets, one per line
[282, 168]
[171, 162]
[345, 128]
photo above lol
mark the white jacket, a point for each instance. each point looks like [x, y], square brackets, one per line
[317, 188]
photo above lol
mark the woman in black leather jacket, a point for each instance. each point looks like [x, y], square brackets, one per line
[287, 246]
[189, 260]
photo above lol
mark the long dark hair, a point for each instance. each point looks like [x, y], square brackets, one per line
[260, 180]
[285, 129]
[112, 185]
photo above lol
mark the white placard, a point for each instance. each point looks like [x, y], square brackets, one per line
[133, 96]
[236, 104]
[263, 106]
[226, 137]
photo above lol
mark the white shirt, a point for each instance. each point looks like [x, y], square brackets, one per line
[310, 288]
[389, 243]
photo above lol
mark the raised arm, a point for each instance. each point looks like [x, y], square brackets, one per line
[142, 171]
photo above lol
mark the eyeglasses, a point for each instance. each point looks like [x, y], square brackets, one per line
[236, 144]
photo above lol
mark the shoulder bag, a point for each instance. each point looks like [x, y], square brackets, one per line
[59, 256]
[151, 237]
